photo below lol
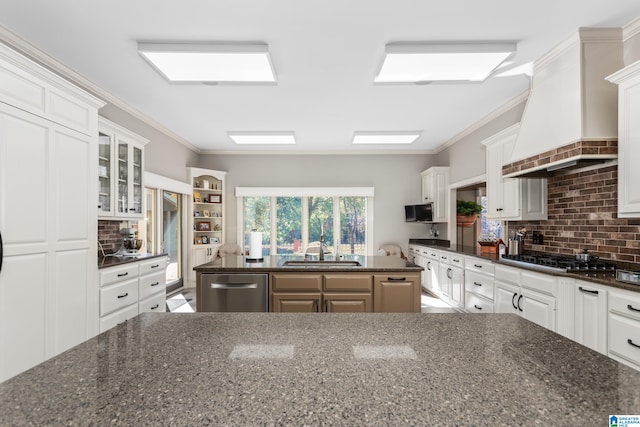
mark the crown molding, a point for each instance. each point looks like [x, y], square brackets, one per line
[632, 29]
[34, 53]
[485, 120]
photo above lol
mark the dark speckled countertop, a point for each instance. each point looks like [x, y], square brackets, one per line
[112, 261]
[238, 263]
[603, 278]
[323, 369]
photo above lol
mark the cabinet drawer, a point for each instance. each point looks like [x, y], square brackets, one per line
[431, 253]
[108, 322]
[480, 284]
[154, 304]
[457, 260]
[153, 265]
[476, 304]
[621, 330]
[151, 284]
[348, 282]
[117, 296]
[625, 303]
[539, 282]
[507, 274]
[479, 264]
[444, 257]
[118, 274]
[296, 282]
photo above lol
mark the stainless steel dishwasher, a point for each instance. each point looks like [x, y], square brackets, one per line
[235, 292]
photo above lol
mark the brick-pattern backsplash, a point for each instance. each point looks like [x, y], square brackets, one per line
[109, 235]
[583, 215]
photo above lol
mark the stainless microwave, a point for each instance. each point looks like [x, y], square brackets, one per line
[419, 213]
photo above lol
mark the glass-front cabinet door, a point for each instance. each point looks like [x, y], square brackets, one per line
[121, 172]
[105, 175]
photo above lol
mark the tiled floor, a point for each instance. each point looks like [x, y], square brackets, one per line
[185, 302]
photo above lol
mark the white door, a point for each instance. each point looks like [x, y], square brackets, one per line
[591, 316]
[506, 298]
[457, 286]
[539, 308]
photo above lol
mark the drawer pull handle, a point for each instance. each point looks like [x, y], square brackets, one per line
[123, 274]
[476, 307]
[123, 296]
[519, 298]
[632, 308]
[477, 284]
[456, 260]
[477, 266]
[589, 291]
[155, 284]
[630, 342]
[155, 306]
[396, 279]
[513, 298]
[155, 266]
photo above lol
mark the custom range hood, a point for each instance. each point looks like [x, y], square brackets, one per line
[571, 117]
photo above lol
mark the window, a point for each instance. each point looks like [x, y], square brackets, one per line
[490, 229]
[291, 220]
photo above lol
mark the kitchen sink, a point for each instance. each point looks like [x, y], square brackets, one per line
[301, 263]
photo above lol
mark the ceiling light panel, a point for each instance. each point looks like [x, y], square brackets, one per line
[430, 62]
[385, 137]
[263, 138]
[202, 62]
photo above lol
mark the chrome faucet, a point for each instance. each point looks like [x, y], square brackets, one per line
[321, 243]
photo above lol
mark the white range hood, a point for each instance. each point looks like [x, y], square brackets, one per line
[571, 116]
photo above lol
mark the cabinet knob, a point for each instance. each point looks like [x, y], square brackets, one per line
[477, 307]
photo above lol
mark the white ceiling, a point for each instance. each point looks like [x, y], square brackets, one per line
[325, 54]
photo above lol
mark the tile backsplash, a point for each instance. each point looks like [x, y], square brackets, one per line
[583, 215]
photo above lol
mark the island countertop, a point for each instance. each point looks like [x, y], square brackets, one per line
[323, 369]
[238, 263]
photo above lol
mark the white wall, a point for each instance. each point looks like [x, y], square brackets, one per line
[396, 179]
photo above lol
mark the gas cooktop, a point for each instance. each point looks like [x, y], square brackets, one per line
[559, 263]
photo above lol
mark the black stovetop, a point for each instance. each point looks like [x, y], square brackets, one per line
[558, 263]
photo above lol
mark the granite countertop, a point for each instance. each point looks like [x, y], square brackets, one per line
[238, 263]
[323, 369]
[603, 278]
[112, 261]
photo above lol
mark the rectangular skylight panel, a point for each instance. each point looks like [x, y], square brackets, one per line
[201, 62]
[385, 138]
[284, 138]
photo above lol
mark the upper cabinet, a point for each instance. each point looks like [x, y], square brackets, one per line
[628, 81]
[120, 172]
[435, 181]
[511, 198]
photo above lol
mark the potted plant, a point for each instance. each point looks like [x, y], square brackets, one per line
[467, 212]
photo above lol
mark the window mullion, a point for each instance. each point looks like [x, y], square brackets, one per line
[274, 225]
[305, 224]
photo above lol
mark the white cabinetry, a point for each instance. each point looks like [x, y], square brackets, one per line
[628, 80]
[511, 198]
[624, 327]
[130, 289]
[432, 267]
[478, 285]
[590, 314]
[207, 222]
[435, 183]
[525, 293]
[451, 278]
[121, 172]
[48, 221]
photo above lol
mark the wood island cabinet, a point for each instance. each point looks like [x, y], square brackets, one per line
[342, 292]
[396, 293]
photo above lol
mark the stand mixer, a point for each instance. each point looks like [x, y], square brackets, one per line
[130, 243]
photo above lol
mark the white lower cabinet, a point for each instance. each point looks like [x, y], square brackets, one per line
[130, 289]
[478, 285]
[624, 327]
[528, 294]
[590, 315]
[451, 278]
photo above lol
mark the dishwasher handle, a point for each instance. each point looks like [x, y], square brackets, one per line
[234, 286]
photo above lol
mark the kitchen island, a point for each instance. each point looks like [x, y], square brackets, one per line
[300, 284]
[340, 369]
